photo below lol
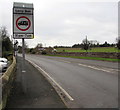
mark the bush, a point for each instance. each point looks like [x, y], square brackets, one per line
[44, 52]
[63, 50]
[7, 54]
[33, 52]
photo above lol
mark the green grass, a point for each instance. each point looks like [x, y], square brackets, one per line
[97, 49]
[91, 58]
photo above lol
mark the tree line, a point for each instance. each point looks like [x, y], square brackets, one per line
[6, 46]
[87, 44]
[105, 44]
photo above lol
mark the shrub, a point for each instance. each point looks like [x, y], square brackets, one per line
[43, 52]
[33, 52]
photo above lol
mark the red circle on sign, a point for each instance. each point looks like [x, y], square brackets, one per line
[29, 23]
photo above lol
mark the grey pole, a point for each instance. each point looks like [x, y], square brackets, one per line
[23, 67]
[0, 69]
[23, 49]
[0, 46]
[0, 55]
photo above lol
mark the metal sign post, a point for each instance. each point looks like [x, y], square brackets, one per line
[23, 28]
[24, 83]
[23, 21]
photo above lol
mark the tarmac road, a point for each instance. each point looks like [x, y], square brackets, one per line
[91, 84]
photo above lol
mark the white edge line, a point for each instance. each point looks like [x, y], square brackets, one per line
[52, 80]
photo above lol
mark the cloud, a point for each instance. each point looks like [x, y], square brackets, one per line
[66, 22]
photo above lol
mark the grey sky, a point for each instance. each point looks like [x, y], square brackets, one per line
[67, 22]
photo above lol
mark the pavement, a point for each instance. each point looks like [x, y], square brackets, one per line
[32, 90]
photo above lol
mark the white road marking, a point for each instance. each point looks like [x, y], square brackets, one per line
[65, 61]
[63, 90]
[60, 60]
[93, 67]
[112, 69]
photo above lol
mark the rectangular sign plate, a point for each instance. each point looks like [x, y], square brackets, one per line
[23, 22]
[25, 36]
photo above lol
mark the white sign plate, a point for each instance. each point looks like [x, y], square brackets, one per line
[23, 24]
[25, 36]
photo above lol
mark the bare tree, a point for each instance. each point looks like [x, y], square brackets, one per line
[93, 43]
[86, 44]
[5, 43]
[118, 42]
[39, 45]
[3, 32]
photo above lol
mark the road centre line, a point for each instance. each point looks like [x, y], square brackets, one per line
[93, 67]
[63, 90]
[65, 61]
[112, 69]
[60, 60]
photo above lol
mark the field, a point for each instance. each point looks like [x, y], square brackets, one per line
[97, 49]
[90, 58]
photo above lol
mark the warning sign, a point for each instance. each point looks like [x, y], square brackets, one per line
[23, 24]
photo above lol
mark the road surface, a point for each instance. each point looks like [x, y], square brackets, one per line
[90, 84]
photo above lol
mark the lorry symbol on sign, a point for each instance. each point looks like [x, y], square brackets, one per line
[24, 23]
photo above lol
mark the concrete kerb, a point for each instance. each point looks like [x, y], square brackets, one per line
[65, 97]
[5, 79]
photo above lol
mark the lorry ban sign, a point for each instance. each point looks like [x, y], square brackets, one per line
[23, 24]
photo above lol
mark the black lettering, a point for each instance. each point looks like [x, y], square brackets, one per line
[24, 23]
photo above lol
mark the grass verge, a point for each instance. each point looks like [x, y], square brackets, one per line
[97, 49]
[90, 58]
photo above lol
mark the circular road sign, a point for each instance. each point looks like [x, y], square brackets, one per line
[23, 23]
